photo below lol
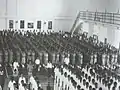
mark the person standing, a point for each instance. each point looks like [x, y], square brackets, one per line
[11, 84]
[2, 73]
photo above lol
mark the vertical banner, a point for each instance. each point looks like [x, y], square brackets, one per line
[22, 24]
[38, 24]
[11, 24]
[49, 24]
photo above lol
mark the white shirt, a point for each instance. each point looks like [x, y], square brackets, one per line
[0, 87]
[49, 65]
[33, 83]
[20, 79]
[11, 85]
[21, 87]
[15, 65]
[67, 61]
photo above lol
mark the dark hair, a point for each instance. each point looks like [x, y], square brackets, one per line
[100, 88]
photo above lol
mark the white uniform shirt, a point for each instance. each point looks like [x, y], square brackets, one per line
[21, 87]
[33, 83]
[49, 65]
[15, 65]
[67, 61]
[20, 79]
[11, 85]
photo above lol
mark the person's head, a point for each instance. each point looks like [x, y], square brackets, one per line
[90, 87]
[87, 84]
[96, 85]
[115, 84]
[93, 81]
[22, 82]
[89, 78]
[84, 81]
[82, 89]
[113, 88]
[86, 76]
[100, 88]
[111, 81]
[78, 87]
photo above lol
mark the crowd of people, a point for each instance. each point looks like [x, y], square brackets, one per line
[76, 62]
[85, 77]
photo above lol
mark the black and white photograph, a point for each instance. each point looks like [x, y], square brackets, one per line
[59, 44]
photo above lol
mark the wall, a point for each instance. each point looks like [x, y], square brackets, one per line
[45, 10]
[61, 12]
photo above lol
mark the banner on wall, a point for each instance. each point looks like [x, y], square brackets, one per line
[49, 24]
[38, 24]
[22, 24]
[11, 23]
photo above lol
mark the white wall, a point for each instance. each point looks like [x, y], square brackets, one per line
[61, 12]
[45, 10]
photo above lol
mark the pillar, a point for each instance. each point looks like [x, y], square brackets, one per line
[110, 34]
[91, 29]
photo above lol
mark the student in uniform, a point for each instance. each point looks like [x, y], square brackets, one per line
[21, 87]
[11, 84]
[2, 78]
[30, 68]
[49, 67]
[21, 78]
[33, 83]
[15, 65]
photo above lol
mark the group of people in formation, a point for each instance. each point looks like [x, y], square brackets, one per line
[85, 77]
[18, 80]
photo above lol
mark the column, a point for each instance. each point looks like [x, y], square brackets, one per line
[110, 34]
[91, 29]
